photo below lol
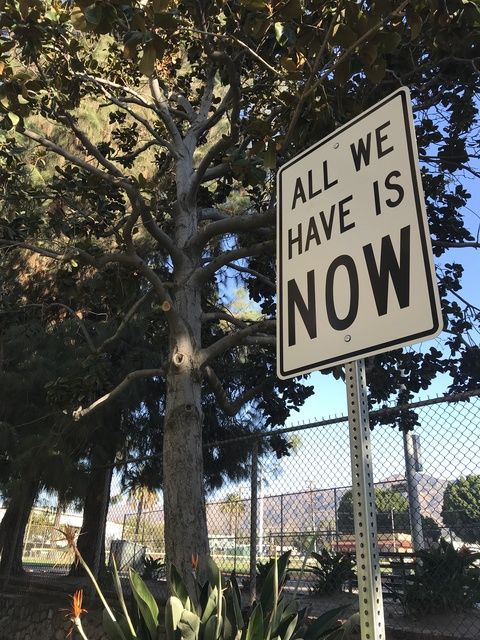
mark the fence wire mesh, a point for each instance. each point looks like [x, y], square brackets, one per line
[427, 493]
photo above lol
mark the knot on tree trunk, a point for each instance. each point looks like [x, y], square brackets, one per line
[183, 414]
[179, 359]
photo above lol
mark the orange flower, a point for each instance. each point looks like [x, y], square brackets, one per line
[75, 611]
[77, 601]
[194, 561]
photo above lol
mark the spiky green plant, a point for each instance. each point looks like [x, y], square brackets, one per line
[214, 611]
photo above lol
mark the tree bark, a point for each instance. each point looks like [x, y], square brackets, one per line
[183, 480]
[97, 499]
[13, 528]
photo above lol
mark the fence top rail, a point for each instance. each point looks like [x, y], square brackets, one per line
[385, 410]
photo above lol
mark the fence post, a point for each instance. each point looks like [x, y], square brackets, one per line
[281, 524]
[336, 518]
[124, 525]
[253, 522]
[413, 496]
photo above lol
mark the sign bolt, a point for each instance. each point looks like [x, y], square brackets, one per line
[348, 337]
[336, 145]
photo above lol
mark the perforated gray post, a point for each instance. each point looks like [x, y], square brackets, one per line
[368, 567]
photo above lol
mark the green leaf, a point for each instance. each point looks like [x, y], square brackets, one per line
[377, 71]
[324, 623]
[344, 36]
[287, 626]
[178, 586]
[211, 605]
[368, 54]
[415, 23]
[292, 10]
[118, 589]
[280, 36]
[389, 41]
[214, 575]
[93, 14]
[189, 624]
[347, 630]
[173, 613]
[235, 609]
[147, 62]
[254, 5]
[14, 119]
[77, 18]
[210, 629]
[111, 628]
[146, 604]
[255, 624]
[276, 576]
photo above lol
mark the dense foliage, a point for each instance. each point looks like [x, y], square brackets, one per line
[392, 512]
[461, 508]
[446, 580]
[332, 570]
[203, 101]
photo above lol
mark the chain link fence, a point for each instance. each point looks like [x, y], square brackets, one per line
[427, 493]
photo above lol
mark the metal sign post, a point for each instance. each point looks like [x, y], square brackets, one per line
[372, 620]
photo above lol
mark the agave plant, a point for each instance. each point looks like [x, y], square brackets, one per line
[216, 613]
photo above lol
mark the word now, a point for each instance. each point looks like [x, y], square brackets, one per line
[379, 274]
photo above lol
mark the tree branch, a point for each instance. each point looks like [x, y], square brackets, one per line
[243, 45]
[83, 164]
[299, 107]
[210, 213]
[128, 157]
[89, 146]
[233, 224]
[217, 315]
[256, 341]
[200, 123]
[138, 98]
[163, 239]
[126, 319]
[99, 262]
[330, 68]
[163, 111]
[456, 245]
[234, 339]
[224, 142]
[204, 273]
[230, 408]
[136, 116]
[255, 274]
[216, 172]
[31, 247]
[140, 374]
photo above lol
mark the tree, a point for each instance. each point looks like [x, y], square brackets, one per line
[219, 95]
[391, 506]
[461, 508]
[234, 507]
[144, 498]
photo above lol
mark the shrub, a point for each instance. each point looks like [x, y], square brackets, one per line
[153, 568]
[446, 580]
[332, 570]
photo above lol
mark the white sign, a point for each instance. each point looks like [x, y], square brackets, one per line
[355, 269]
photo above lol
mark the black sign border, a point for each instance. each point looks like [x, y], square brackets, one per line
[418, 194]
